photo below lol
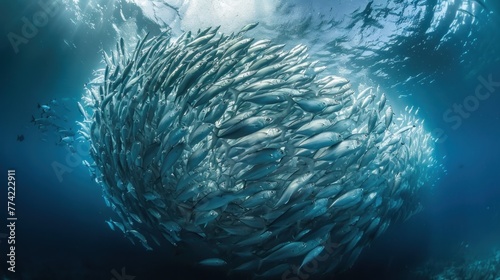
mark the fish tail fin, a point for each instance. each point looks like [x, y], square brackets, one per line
[233, 164]
[235, 93]
[32, 119]
[280, 116]
[309, 163]
[215, 140]
[259, 265]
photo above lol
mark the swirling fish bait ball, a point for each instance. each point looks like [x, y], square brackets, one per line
[250, 149]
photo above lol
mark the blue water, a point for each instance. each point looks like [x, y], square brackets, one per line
[61, 233]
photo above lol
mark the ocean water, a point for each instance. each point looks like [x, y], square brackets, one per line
[442, 57]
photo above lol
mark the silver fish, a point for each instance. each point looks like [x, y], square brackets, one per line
[250, 150]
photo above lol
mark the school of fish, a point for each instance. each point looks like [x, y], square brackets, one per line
[251, 149]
